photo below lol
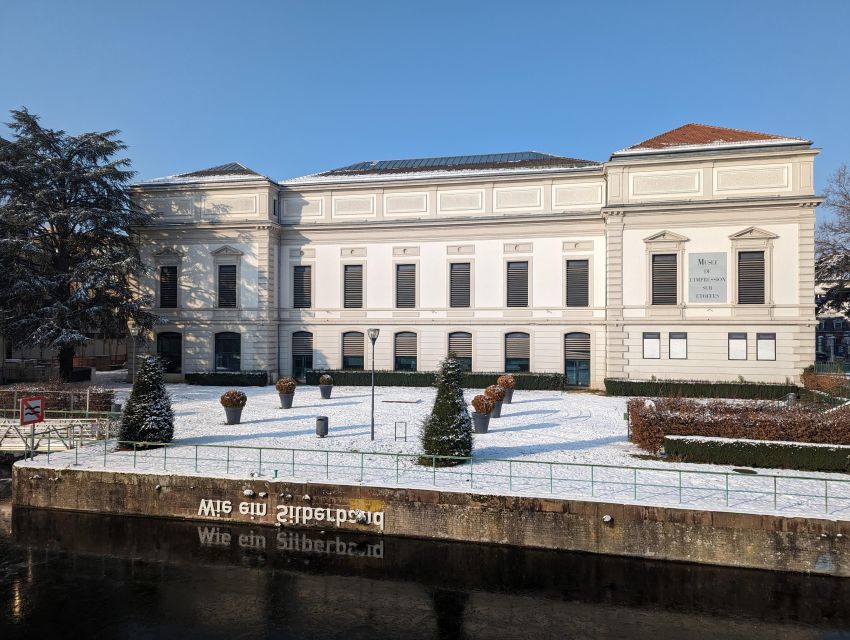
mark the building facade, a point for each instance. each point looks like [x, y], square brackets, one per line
[687, 256]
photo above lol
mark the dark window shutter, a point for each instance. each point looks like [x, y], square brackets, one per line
[301, 286]
[302, 343]
[460, 342]
[405, 344]
[353, 286]
[227, 286]
[352, 344]
[751, 277]
[517, 284]
[405, 286]
[460, 284]
[578, 283]
[168, 287]
[664, 278]
[517, 345]
[577, 346]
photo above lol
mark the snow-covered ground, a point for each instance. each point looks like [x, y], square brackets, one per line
[571, 445]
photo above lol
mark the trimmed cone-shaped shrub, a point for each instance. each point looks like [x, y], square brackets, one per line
[448, 430]
[148, 416]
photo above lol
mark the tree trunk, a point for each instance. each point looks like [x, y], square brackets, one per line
[66, 363]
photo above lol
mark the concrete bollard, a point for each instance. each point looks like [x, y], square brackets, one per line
[321, 426]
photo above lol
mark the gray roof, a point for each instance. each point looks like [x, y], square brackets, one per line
[229, 169]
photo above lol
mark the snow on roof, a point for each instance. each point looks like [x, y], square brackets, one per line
[229, 172]
[694, 136]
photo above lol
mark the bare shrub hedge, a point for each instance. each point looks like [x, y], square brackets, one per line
[652, 419]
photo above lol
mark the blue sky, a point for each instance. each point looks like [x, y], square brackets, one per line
[290, 88]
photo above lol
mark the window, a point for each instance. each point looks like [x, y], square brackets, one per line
[405, 351]
[664, 278]
[352, 282]
[227, 286]
[737, 346]
[459, 284]
[517, 351]
[352, 350]
[405, 286]
[651, 345]
[577, 359]
[765, 346]
[302, 287]
[168, 287]
[837, 324]
[751, 277]
[169, 347]
[517, 284]
[578, 284]
[302, 354]
[460, 343]
[678, 346]
[228, 351]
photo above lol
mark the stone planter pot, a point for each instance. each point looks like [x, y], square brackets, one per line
[509, 395]
[480, 422]
[286, 400]
[326, 391]
[233, 414]
[497, 410]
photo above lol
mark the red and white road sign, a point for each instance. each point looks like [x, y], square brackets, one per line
[32, 410]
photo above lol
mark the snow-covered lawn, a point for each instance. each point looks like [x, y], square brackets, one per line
[570, 430]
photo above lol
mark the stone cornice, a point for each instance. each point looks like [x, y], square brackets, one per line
[690, 205]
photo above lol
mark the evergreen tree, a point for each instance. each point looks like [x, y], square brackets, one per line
[67, 259]
[148, 416]
[448, 430]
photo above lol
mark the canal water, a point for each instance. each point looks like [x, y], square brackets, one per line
[66, 575]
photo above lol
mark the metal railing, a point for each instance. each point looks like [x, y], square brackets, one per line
[53, 435]
[537, 478]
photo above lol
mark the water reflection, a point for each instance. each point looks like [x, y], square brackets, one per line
[64, 574]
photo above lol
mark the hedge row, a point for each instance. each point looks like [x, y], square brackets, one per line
[697, 389]
[770, 454]
[470, 380]
[651, 420]
[228, 378]
[58, 396]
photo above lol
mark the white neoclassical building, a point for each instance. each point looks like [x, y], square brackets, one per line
[686, 256]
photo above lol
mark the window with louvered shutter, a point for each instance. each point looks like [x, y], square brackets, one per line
[517, 284]
[405, 351]
[302, 343]
[227, 286]
[353, 350]
[578, 283]
[405, 286]
[301, 286]
[577, 346]
[460, 343]
[353, 286]
[751, 277]
[517, 352]
[168, 287]
[664, 278]
[459, 284]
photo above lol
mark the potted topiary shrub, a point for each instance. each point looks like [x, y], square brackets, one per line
[286, 391]
[497, 395]
[481, 416]
[508, 383]
[233, 402]
[326, 385]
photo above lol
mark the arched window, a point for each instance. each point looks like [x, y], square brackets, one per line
[405, 351]
[577, 359]
[517, 352]
[352, 350]
[228, 351]
[460, 343]
[169, 347]
[302, 353]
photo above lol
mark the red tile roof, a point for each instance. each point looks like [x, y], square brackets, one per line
[703, 134]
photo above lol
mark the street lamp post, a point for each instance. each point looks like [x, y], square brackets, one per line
[134, 332]
[373, 336]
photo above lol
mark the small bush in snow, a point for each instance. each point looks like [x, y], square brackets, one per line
[448, 430]
[495, 393]
[286, 385]
[148, 416]
[506, 381]
[233, 399]
[482, 404]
